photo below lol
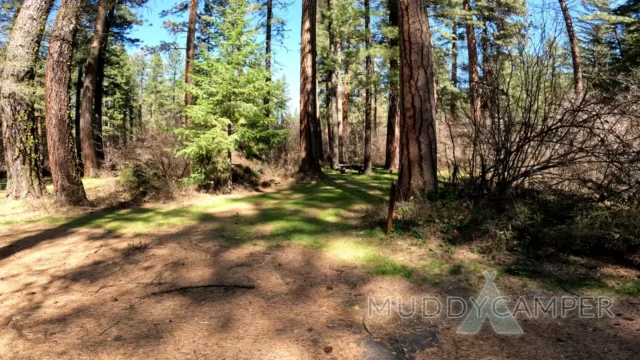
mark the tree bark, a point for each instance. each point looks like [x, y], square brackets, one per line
[267, 50]
[98, 139]
[79, 85]
[418, 150]
[346, 127]
[17, 93]
[98, 101]
[474, 77]
[309, 154]
[335, 96]
[575, 50]
[88, 127]
[368, 169]
[393, 114]
[62, 157]
[339, 101]
[191, 53]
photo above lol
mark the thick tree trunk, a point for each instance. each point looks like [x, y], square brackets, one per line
[393, 115]
[474, 77]
[19, 128]
[309, 154]
[88, 124]
[62, 156]
[575, 50]
[346, 127]
[454, 67]
[368, 169]
[418, 151]
[191, 52]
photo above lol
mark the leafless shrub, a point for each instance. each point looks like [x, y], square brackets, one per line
[535, 131]
[152, 154]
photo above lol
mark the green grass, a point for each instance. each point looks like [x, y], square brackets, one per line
[628, 287]
[382, 265]
[324, 216]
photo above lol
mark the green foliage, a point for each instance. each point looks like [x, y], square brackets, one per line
[236, 108]
[136, 178]
[120, 93]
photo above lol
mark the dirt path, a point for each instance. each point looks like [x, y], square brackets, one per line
[87, 292]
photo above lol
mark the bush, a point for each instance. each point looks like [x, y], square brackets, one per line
[532, 224]
[151, 166]
[137, 178]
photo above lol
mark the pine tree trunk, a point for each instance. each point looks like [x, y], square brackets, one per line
[267, 51]
[78, 135]
[19, 128]
[338, 101]
[191, 52]
[393, 116]
[368, 169]
[140, 100]
[309, 154]
[346, 127]
[62, 156]
[335, 102]
[418, 151]
[98, 101]
[375, 113]
[575, 50]
[454, 67]
[317, 126]
[90, 87]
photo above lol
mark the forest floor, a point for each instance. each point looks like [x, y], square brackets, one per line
[126, 282]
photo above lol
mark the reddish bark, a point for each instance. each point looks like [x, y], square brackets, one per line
[62, 156]
[418, 151]
[309, 150]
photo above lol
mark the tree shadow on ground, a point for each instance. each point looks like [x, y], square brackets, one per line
[85, 289]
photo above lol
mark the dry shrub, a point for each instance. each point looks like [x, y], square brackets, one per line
[534, 132]
[148, 165]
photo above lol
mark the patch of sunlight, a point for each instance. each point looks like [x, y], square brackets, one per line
[91, 183]
[376, 233]
[138, 221]
[332, 215]
[350, 250]
[432, 271]
[628, 287]
[384, 265]
[56, 220]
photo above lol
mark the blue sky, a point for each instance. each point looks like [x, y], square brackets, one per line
[287, 56]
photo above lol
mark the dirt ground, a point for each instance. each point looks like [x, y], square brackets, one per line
[77, 292]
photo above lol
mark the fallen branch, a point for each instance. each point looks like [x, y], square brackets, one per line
[193, 287]
[7, 323]
[110, 326]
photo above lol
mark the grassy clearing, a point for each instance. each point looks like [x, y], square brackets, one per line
[327, 216]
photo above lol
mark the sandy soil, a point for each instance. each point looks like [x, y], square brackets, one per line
[80, 293]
